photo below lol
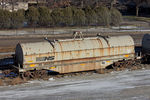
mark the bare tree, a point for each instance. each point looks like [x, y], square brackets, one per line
[12, 2]
[112, 3]
[138, 4]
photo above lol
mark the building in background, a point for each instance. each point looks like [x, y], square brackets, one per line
[13, 6]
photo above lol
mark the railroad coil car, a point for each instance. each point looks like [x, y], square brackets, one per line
[74, 55]
[146, 47]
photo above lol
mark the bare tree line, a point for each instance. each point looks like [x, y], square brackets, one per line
[81, 3]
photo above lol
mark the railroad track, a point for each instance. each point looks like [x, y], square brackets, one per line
[11, 41]
[6, 53]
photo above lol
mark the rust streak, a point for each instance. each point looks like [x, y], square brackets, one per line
[101, 46]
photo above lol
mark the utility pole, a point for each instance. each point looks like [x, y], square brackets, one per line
[37, 2]
[81, 3]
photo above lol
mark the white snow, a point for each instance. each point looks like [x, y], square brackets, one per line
[125, 27]
[51, 79]
[84, 30]
[80, 87]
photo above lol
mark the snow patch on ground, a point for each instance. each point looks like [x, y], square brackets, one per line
[51, 79]
[80, 88]
[63, 30]
[125, 27]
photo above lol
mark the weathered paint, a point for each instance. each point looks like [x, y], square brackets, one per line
[32, 65]
[77, 55]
